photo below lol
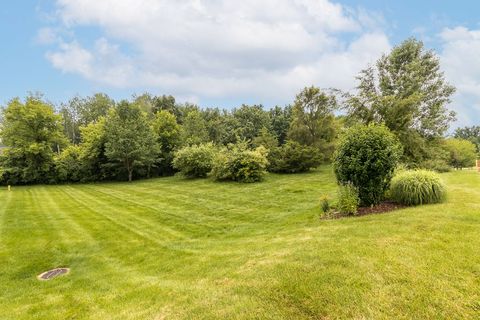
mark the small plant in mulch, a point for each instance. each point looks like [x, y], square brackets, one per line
[383, 207]
[325, 203]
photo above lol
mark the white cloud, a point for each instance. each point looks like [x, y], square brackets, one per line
[266, 49]
[459, 59]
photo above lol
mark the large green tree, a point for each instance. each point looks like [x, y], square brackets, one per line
[167, 131]
[33, 134]
[280, 121]
[313, 121]
[250, 120]
[407, 91]
[81, 111]
[194, 129]
[129, 139]
[92, 152]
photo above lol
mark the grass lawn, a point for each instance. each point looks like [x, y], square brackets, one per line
[194, 249]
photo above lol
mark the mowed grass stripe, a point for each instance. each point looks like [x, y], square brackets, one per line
[5, 206]
[120, 216]
[165, 216]
[234, 203]
[68, 229]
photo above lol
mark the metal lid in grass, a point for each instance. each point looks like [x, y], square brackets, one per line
[50, 274]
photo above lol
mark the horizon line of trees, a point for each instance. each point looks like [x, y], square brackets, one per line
[96, 138]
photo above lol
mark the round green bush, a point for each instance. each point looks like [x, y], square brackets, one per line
[416, 187]
[366, 157]
[293, 157]
[238, 163]
[195, 161]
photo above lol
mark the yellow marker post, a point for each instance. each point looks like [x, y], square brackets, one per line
[8, 187]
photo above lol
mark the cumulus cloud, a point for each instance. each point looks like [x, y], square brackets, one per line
[267, 50]
[459, 58]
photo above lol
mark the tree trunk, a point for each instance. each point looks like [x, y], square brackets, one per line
[130, 171]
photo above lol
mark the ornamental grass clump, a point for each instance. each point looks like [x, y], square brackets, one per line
[417, 187]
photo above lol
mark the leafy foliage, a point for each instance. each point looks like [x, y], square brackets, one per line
[68, 165]
[408, 93]
[325, 203]
[92, 152]
[250, 120]
[293, 157]
[238, 163]
[313, 120]
[348, 199]
[416, 187]
[167, 131]
[32, 132]
[280, 121]
[266, 139]
[129, 139]
[471, 134]
[194, 129]
[366, 157]
[195, 161]
[462, 153]
[80, 112]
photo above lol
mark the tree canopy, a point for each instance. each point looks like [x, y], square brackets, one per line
[33, 133]
[129, 139]
[407, 91]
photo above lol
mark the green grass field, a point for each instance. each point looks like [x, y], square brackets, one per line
[195, 249]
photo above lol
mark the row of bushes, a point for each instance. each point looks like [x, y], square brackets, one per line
[237, 162]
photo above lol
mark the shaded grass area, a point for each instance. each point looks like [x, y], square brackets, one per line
[195, 249]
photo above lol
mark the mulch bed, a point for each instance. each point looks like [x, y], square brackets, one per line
[383, 207]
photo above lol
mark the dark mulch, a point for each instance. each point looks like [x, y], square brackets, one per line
[383, 207]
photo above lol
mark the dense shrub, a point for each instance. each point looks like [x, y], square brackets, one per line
[194, 161]
[462, 153]
[415, 187]
[438, 165]
[293, 157]
[238, 163]
[367, 157]
[348, 199]
[68, 166]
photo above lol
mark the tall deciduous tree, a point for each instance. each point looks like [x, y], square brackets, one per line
[130, 141]
[80, 112]
[280, 120]
[250, 120]
[92, 151]
[167, 131]
[194, 129]
[406, 91]
[33, 134]
[313, 122]
[164, 102]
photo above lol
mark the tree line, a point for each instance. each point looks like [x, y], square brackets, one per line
[96, 138]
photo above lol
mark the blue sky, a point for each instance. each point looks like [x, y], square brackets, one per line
[223, 54]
